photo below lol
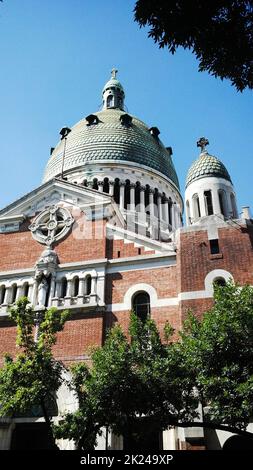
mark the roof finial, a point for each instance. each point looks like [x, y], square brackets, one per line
[202, 142]
[114, 72]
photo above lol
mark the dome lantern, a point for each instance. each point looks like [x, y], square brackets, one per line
[113, 93]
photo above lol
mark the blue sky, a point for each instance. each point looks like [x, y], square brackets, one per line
[55, 57]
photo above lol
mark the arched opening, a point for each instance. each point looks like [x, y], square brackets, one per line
[110, 101]
[95, 184]
[137, 195]
[208, 202]
[88, 285]
[2, 294]
[25, 289]
[170, 211]
[116, 191]
[147, 199]
[219, 281]
[76, 286]
[13, 293]
[127, 195]
[222, 202]
[64, 287]
[106, 186]
[196, 206]
[141, 305]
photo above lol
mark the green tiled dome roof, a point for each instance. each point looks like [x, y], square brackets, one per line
[110, 140]
[206, 165]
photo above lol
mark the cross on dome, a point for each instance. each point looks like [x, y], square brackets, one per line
[202, 142]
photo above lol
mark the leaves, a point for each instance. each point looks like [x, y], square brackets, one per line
[34, 375]
[220, 348]
[219, 33]
[130, 379]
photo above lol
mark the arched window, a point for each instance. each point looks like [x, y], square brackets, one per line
[76, 286]
[196, 206]
[2, 294]
[141, 305]
[219, 281]
[88, 285]
[208, 202]
[64, 287]
[13, 293]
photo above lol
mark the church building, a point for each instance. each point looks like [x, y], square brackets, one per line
[103, 234]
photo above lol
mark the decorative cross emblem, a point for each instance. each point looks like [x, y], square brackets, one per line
[51, 225]
[114, 73]
[202, 142]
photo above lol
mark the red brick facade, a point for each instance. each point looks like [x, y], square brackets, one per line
[187, 274]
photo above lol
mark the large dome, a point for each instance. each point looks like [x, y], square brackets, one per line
[111, 138]
[206, 165]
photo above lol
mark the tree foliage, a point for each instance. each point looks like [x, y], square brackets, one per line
[33, 376]
[219, 33]
[131, 380]
[138, 379]
[220, 348]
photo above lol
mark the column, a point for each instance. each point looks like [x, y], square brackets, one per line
[111, 188]
[58, 289]
[142, 199]
[202, 205]
[30, 291]
[121, 195]
[93, 285]
[52, 288]
[81, 292]
[151, 202]
[173, 215]
[100, 186]
[166, 210]
[159, 206]
[132, 196]
[35, 293]
[69, 288]
[69, 292]
[19, 291]
[7, 295]
[216, 202]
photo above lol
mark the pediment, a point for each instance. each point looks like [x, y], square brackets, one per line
[53, 193]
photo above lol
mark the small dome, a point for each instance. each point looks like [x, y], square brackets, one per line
[205, 166]
[113, 82]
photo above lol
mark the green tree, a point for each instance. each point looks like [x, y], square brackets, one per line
[33, 376]
[133, 381]
[218, 32]
[220, 350]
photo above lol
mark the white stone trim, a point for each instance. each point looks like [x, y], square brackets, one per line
[212, 275]
[170, 301]
[154, 301]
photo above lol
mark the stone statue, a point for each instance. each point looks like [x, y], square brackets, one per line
[42, 290]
